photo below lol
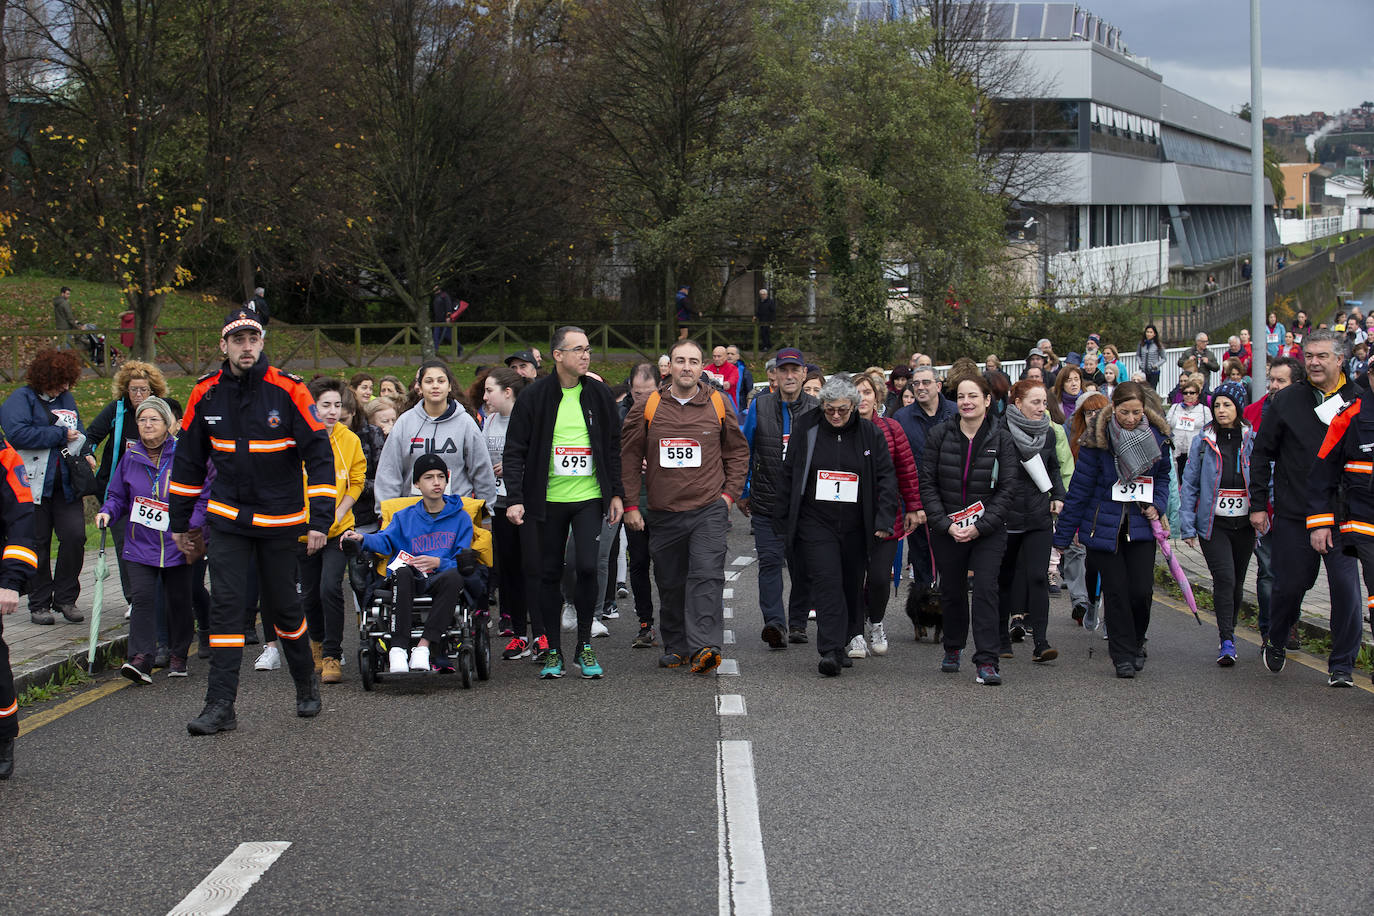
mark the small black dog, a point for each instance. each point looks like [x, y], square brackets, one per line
[923, 607]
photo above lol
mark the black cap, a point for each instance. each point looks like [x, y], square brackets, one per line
[239, 319]
[523, 355]
[426, 463]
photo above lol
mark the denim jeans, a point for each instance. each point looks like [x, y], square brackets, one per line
[771, 561]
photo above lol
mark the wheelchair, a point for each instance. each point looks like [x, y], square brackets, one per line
[467, 641]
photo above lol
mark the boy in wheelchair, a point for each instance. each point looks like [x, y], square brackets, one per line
[428, 536]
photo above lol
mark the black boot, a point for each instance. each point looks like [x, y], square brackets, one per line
[217, 716]
[308, 697]
[6, 757]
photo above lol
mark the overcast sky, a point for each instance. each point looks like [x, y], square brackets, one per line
[1318, 55]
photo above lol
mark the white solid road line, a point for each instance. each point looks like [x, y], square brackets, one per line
[224, 887]
[743, 870]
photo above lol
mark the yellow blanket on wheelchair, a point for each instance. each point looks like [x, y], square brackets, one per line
[481, 537]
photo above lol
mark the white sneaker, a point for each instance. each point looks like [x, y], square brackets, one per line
[269, 660]
[610, 612]
[419, 658]
[857, 648]
[621, 591]
[811, 614]
[397, 658]
[877, 639]
[128, 612]
[569, 617]
[599, 629]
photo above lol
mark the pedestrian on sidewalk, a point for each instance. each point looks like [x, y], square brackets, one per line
[1215, 506]
[18, 562]
[685, 443]
[137, 502]
[259, 426]
[1296, 422]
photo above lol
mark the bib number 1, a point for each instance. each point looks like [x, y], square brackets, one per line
[837, 487]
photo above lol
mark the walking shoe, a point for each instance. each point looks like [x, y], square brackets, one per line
[176, 666]
[442, 664]
[1139, 661]
[610, 612]
[1226, 655]
[397, 663]
[128, 612]
[42, 618]
[203, 645]
[857, 648]
[250, 637]
[161, 657]
[1079, 612]
[1044, 653]
[645, 639]
[1273, 657]
[1006, 651]
[621, 591]
[317, 654]
[419, 658]
[138, 669]
[811, 614]
[877, 639]
[988, 675]
[553, 665]
[217, 716]
[671, 660]
[569, 617]
[1125, 669]
[599, 629]
[506, 628]
[332, 673]
[6, 758]
[797, 635]
[1340, 679]
[773, 636]
[830, 665]
[539, 649]
[951, 661]
[519, 647]
[269, 660]
[70, 613]
[1294, 641]
[1092, 615]
[1018, 627]
[586, 660]
[706, 660]
[308, 697]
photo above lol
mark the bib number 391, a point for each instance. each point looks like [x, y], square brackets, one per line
[1140, 490]
[569, 461]
[837, 487]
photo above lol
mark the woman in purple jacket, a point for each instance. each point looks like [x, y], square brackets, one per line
[138, 493]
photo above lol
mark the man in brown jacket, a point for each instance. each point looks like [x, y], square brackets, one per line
[687, 439]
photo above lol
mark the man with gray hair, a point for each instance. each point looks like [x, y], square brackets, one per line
[1206, 362]
[1295, 424]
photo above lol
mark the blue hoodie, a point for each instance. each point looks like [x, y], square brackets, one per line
[413, 531]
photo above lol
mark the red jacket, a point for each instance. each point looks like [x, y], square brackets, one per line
[908, 487]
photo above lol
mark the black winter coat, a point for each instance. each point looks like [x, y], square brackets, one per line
[993, 478]
[1030, 510]
[765, 442]
[878, 500]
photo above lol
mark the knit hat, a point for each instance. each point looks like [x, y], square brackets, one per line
[1235, 391]
[426, 463]
[164, 410]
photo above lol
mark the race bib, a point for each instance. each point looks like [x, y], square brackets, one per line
[1271, 338]
[404, 559]
[500, 486]
[967, 517]
[1329, 408]
[1186, 422]
[785, 438]
[679, 453]
[150, 513]
[837, 487]
[569, 461]
[1140, 490]
[1233, 503]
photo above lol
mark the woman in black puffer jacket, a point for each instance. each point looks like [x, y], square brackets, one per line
[968, 486]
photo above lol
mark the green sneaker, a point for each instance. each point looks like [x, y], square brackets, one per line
[586, 660]
[553, 665]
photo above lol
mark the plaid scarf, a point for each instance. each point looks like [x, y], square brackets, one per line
[1135, 450]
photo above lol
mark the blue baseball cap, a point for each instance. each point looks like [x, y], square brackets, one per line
[789, 356]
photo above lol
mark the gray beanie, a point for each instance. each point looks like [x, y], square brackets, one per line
[163, 409]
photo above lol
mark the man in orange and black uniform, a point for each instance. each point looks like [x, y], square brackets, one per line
[17, 562]
[258, 425]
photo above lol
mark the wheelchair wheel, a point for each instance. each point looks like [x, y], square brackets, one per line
[483, 654]
[465, 666]
[365, 669]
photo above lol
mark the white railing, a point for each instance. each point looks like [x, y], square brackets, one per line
[1168, 373]
[1113, 269]
[1293, 231]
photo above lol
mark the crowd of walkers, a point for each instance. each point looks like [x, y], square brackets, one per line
[990, 494]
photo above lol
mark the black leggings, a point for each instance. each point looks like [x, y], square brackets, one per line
[1026, 562]
[637, 542]
[584, 520]
[878, 584]
[516, 549]
[1228, 553]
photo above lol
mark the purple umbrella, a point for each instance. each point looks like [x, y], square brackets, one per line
[1175, 569]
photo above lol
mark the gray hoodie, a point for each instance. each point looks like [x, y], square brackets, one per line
[453, 436]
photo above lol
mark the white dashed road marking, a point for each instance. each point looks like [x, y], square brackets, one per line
[730, 704]
[728, 593]
[729, 637]
[224, 887]
[729, 667]
[742, 561]
[728, 613]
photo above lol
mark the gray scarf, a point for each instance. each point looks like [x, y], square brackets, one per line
[1135, 449]
[1029, 435]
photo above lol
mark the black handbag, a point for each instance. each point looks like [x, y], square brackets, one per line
[80, 475]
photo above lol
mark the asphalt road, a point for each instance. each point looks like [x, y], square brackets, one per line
[893, 788]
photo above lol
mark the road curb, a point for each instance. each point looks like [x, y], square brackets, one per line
[52, 666]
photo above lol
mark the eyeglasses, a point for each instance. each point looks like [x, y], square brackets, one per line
[1190, 391]
[838, 410]
[575, 351]
[143, 390]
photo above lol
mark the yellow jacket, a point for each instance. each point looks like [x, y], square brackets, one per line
[350, 473]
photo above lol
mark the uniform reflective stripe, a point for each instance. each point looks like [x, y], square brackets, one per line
[22, 554]
[1316, 521]
[1360, 467]
[1371, 601]
[278, 521]
[222, 445]
[1358, 528]
[222, 510]
[270, 445]
[231, 641]
[181, 489]
[328, 491]
[10, 709]
[294, 634]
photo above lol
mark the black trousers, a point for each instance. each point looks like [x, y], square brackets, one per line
[1128, 588]
[117, 532]
[144, 583]
[200, 595]
[637, 544]
[585, 521]
[1295, 572]
[49, 585]
[1228, 553]
[321, 581]
[9, 703]
[231, 556]
[1025, 570]
[835, 563]
[983, 557]
[878, 586]
[445, 586]
[517, 553]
